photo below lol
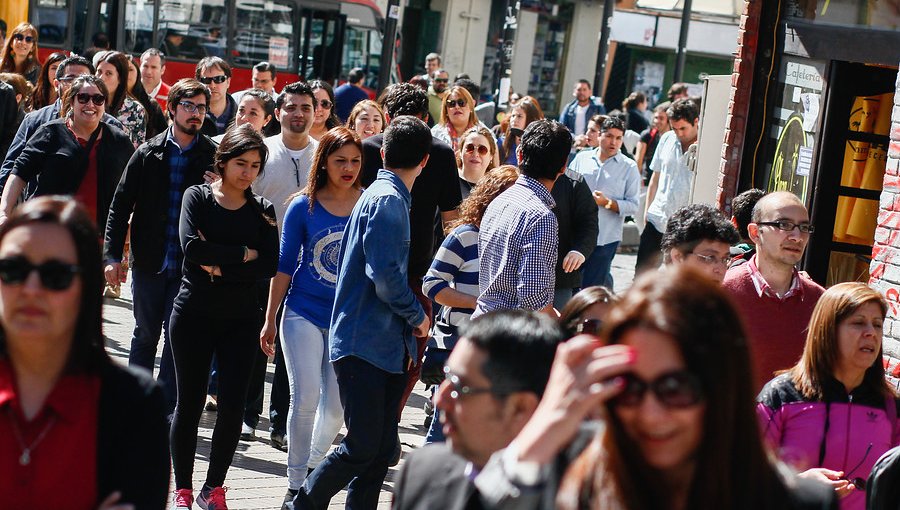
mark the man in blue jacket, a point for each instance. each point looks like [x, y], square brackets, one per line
[576, 114]
[373, 322]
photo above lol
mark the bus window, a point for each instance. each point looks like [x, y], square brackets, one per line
[362, 48]
[51, 17]
[325, 46]
[138, 31]
[265, 32]
[192, 29]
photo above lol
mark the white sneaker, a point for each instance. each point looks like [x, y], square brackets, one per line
[247, 432]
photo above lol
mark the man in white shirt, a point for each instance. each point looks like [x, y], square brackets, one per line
[264, 77]
[670, 185]
[576, 114]
[153, 65]
[615, 183]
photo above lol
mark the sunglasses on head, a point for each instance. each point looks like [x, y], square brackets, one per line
[206, 80]
[326, 104]
[471, 147]
[23, 37]
[54, 275]
[456, 102]
[85, 98]
[674, 390]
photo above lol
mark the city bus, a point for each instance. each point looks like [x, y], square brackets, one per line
[306, 39]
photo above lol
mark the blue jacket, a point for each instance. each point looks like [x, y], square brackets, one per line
[375, 311]
[567, 116]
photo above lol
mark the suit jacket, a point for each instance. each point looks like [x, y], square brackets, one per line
[434, 477]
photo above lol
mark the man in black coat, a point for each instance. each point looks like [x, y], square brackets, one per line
[496, 375]
[576, 212]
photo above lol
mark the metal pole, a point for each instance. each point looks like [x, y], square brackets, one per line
[682, 41]
[510, 25]
[603, 49]
[387, 44]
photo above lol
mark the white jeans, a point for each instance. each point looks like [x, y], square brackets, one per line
[313, 387]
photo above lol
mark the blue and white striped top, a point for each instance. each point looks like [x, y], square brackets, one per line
[455, 265]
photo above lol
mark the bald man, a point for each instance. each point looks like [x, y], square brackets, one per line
[774, 299]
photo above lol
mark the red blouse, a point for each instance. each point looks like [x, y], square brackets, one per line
[60, 470]
[87, 192]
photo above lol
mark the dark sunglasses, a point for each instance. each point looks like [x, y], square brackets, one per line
[589, 327]
[23, 37]
[442, 80]
[85, 98]
[674, 390]
[458, 102]
[471, 147]
[213, 79]
[326, 104]
[54, 275]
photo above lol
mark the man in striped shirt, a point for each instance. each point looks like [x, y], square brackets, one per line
[518, 240]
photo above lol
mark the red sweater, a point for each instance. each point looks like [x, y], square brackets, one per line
[776, 328]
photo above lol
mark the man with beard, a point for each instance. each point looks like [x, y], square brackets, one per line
[287, 167]
[150, 193]
[437, 91]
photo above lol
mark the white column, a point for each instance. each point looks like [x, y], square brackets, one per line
[581, 48]
[523, 51]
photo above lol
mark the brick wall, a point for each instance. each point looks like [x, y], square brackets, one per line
[885, 266]
[738, 104]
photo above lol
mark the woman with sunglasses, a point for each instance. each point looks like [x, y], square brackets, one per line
[113, 70]
[307, 272]
[67, 411]
[230, 242]
[44, 91]
[587, 310]
[325, 118]
[669, 403]
[457, 117]
[20, 54]
[475, 156]
[833, 414]
[367, 119]
[76, 155]
[520, 115]
[452, 279]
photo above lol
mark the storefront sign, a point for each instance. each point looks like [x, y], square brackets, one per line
[803, 75]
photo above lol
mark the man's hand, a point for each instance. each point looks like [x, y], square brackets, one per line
[600, 198]
[422, 329]
[114, 274]
[573, 261]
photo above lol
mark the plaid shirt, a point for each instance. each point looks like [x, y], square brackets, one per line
[178, 161]
[762, 286]
[517, 246]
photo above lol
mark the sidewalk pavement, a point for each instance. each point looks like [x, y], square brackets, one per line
[257, 478]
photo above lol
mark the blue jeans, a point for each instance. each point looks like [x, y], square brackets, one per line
[435, 432]
[370, 397]
[596, 268]
[153, 295]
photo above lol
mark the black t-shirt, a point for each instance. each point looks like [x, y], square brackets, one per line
[436, 189]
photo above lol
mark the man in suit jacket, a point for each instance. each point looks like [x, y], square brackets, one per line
[495, 377]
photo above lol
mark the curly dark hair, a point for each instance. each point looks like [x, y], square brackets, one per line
[495, 181]
[405, 99]
[742, 209]
[692, 224]
[684, 109]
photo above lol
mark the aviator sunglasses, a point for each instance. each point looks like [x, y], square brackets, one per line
[471, 147]
[54, 275]
[453, 103]
[674, 390]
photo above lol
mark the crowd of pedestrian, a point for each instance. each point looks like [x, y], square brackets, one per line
[365, 246]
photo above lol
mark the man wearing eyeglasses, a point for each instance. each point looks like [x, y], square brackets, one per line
[215, 73]
[68, 70]
[437, 92]
[700, 236]
[774, 298]
[495, 377]
[150, 193]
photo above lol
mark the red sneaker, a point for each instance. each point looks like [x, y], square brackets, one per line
[212, 499]
[184, 499]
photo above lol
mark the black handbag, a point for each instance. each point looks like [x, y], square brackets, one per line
[437, 350]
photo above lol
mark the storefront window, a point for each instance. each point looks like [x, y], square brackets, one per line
[865, 13]
[550, 42]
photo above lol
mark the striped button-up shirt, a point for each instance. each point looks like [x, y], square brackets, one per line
[517, 246]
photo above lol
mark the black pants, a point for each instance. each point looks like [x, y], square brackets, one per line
[194, 341]
[280, 398]
[649, 255]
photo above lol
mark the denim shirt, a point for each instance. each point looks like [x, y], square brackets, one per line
[375, 311]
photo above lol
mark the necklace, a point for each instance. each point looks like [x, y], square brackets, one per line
[25, 458]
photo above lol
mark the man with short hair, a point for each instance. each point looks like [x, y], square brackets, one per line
[149, 194]
[700, 236]
[646, 147]
[670, 184]
[153, 65]
[215, 73]
[375, 316]
[517, 243]
[741, 216]
[432, 63]
[68, 70]
[774, 299]
[576, 114]
[263, 77]
[437, 92]
[678, 91]
[505, 356]
[347, 95]
[615, 183]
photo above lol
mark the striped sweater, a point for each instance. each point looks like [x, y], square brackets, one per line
[455, 265]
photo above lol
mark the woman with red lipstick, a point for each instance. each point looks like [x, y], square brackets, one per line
[76, 154]
[307, 273]
[230, 243]
[77, 430]
[670, 389]
[834, 414]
